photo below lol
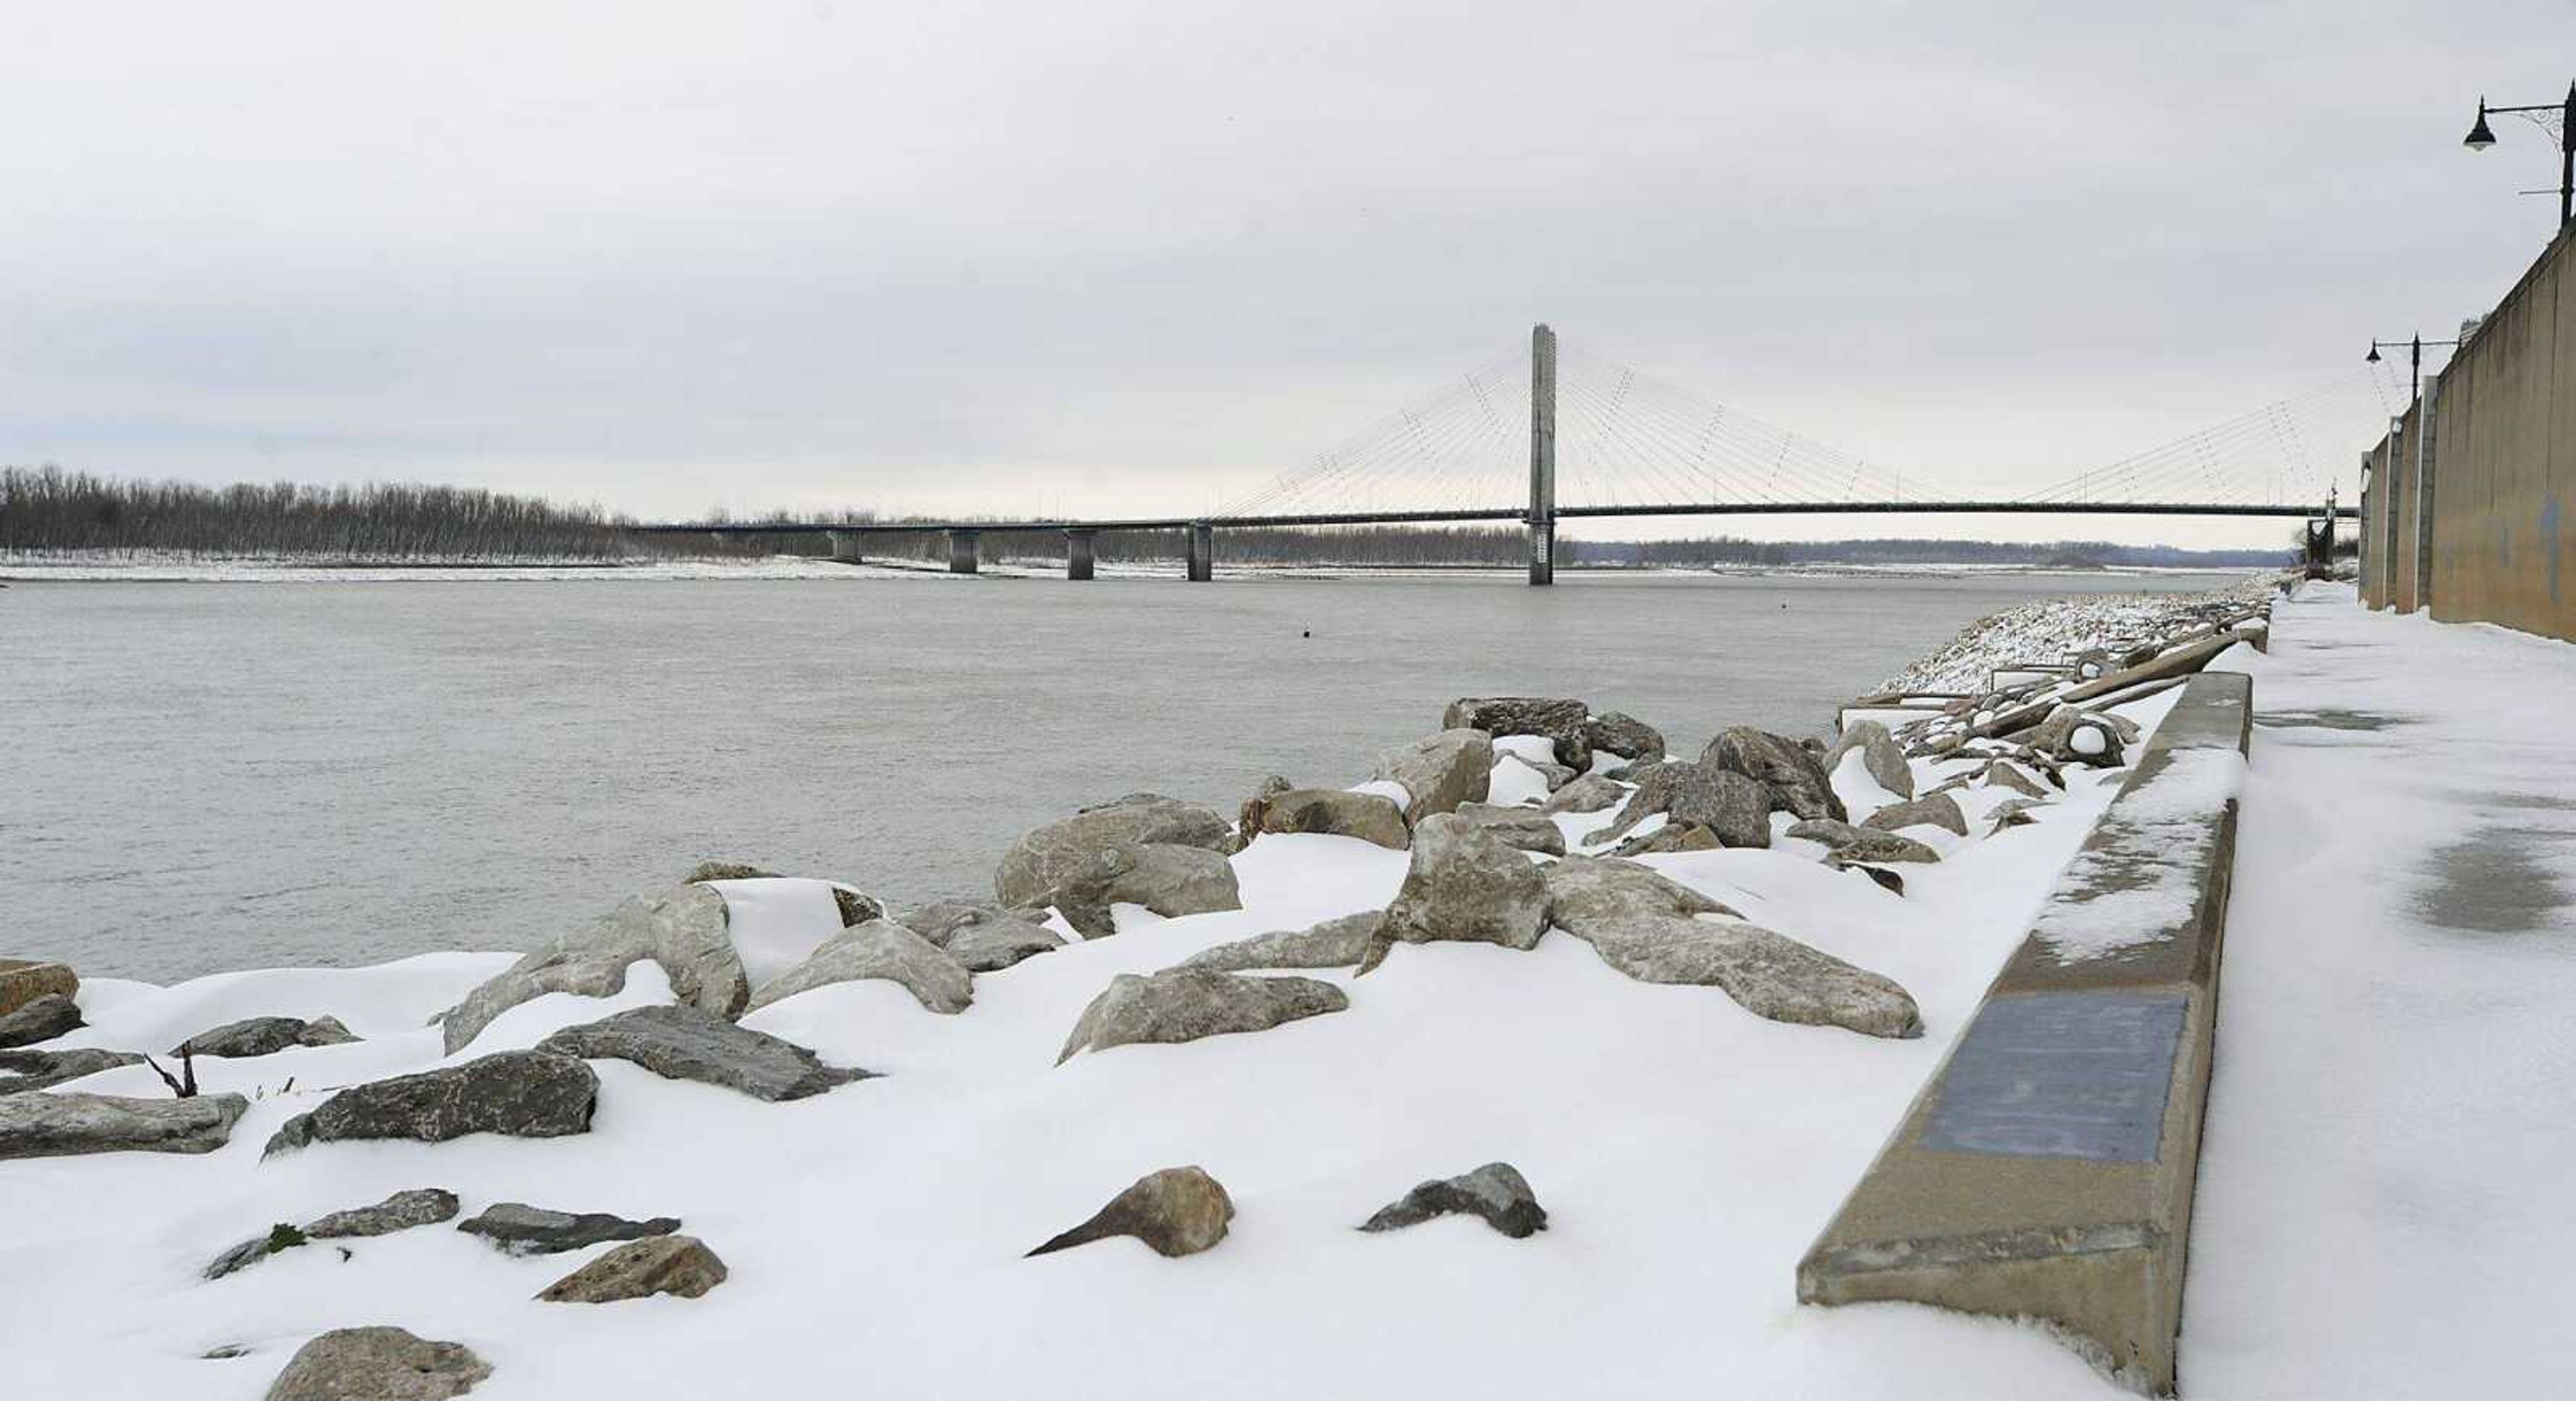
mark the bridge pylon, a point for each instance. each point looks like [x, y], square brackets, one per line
[1542, 489]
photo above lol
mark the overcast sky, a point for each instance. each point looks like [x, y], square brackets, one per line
[1109, 257]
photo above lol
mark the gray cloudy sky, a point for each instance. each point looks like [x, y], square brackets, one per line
[1112, 256]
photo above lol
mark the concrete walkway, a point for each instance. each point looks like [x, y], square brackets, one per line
[2387, 1200]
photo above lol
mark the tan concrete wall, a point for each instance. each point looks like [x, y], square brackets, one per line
[2403, 501]
[2504, 504]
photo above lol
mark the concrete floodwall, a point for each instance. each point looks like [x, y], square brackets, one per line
[2046, 1169]
[2502, 538]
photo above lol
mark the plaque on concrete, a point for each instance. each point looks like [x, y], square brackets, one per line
[2061, 1075]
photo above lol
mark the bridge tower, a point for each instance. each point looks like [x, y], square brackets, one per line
[1542, 498]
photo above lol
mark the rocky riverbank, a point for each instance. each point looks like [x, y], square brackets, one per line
[1669, 1004]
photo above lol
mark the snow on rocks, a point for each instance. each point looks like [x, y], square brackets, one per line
[982, 937]
[1177, 1211]
[878, 949]
[1628, 737]
[1438, 773]
[1734, 809]
[420, 1206]
[2072, 736]
[1590, 793]
[1880, 754]
[1797, 782]
[264, 1036]
[516, 1228]
[1334, 943]
[683, 1043]
[378, 1364]
[1185, 1004]
[1933, 810]
[683, 929]
[27, 1070]
[52, 1124]
[1561, 722]
[522, 1094]
[1496, 1193]
[675, 1265]
[1848, 843]
[1078, 864]
[1463, 883]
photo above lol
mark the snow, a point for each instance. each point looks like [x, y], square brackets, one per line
[2382, 1204]
[1388, 789]
[2086, 739]
[776, 922]
[1515, 782]
[2140, 885]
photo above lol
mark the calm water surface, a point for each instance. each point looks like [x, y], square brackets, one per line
[199, 777]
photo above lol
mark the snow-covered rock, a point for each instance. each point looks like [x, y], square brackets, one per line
[1440, 772]
[51, 1124]
[1334, 943]
[521, 1094]
[878, 949]
[1797, 782]
[683, 1043]
[1040, 866]
[1464, 883]
[1178, 1211]
[684, 930]
[1496, 1193]
[1186, 1004]
[1336, 812]
[675, 1265]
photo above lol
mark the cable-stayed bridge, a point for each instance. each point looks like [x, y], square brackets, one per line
[1487, 447]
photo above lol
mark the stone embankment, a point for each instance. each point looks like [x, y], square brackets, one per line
[1521, 823]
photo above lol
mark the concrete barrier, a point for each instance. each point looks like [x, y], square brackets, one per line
[2046, 1168]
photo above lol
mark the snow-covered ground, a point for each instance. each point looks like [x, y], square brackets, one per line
[2383, 1206]
[1686, 1151]
[2050, 630]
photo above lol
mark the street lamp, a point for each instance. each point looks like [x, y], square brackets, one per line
[2481, 137]
[2414, 361]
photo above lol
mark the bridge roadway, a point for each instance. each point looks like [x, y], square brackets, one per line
[964, 537]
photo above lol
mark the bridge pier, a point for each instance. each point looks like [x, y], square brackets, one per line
[1542, 491]
[845, 546]
[1078, 553]
[1202, 552]
[964, 551]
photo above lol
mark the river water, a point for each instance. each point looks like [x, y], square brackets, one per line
[199, 777]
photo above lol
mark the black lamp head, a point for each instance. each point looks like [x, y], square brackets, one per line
[2480, 137]
[2373, 356]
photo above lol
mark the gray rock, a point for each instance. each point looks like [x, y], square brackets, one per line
[878, 949]
[523, 1094]
[1869, 844]
[1441, 772]
[280, 1238]
[1561, 721]
[1037, 868]
[1670, 839]
[1590, 793]
[1177, 1211]
[1795, 778]
[516, 1228]
[677, 1265]
[64, 1123]
[1247, 822]
[1496, 1192]
[981, 936]
[1555, 776]
[1185, 1004]
[2010, 813]
[1630, 738]
[1335, 943]
[1336, 812]
[40, 1019]
[2072, 736]
[1657, 931]
[1463, 884]
[264, 1036]
[856, 907]
[1735, 808]
[1524, 829]
[726, 870]
[421, 1206]
[23, 980]
[21, 1071]
[1169, 880]
[1878, 751]
[683, 929]
[1879, 876]
[2007, 774]
[2091, 664]
[683, 1043]
[378, 1364]
[1934, 809]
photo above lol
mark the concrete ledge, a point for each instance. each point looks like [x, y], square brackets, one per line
[2045, 1170]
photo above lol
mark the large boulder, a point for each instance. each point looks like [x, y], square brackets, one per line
[64, 1123]
[523, 1094]
[1879, 753]
[1797, 781]
[1932, 809]
[683, 929]
[1526, 829]
[378, 1364]
[878, 949]
[1657, 931]
[683, 1043]
[1185, 1004]
[1628, 737]
[263, 1036]
[639, 1269]
[1862, 844]
[41, 1019]
[1169, 880]
[1441, 772]
[1336, 812]
[1734, 808]
[1463, 883]
[1178, 1211]
[22, 1071]
[726, 870]
[24, 980]
[1496, 1193]
[1040, 864]
[981, 936]
[2073, 736]
[1335, 943]
[1561, 721]
[516, 1228]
